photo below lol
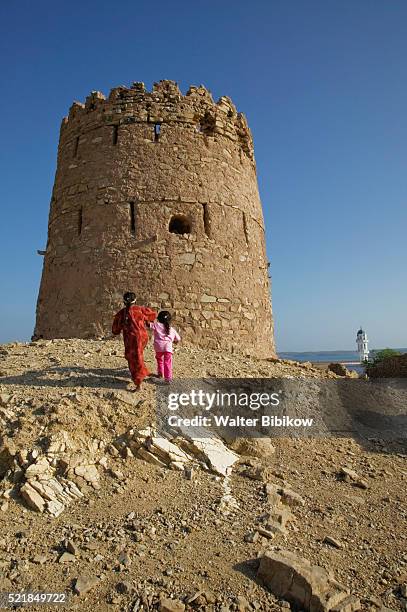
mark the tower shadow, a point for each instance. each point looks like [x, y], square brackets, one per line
[76, 376]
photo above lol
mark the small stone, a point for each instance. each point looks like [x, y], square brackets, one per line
[127, 453]
[242, 604]
[210, 597]
[124, 558]
[55, 507]
[335, 543]
[171, 605]
[40, 468]
[348, 474]
[267, 533]
[103, 462]
[253, 447]
[88, 473]
[66, 557]
[40, 559]
[208, 298]
[188, 473]
[33, 499]
[339, 369]
[293, 579]
[85, 583]
[362, 484]
[374, 601]
[290, 497]
[197, 599]
[71, 547]
[124, 587]
[4, 399]
[251, 537]
[117, 474]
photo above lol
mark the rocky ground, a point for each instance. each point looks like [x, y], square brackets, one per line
[90, 506]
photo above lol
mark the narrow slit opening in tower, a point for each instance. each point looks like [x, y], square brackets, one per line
[76, 146]
[115, 134]
[206, 219]
[157, 131]
[179, 224]
[246, 233]
[132, 219]
[80, 221]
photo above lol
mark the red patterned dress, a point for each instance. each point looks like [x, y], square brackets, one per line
[132, 322]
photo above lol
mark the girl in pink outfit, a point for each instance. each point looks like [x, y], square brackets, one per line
[164, 337]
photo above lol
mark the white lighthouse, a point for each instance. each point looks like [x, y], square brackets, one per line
[362, 342]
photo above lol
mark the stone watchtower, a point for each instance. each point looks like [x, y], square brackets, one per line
[157, 193]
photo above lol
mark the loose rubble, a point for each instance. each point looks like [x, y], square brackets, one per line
[201, 448]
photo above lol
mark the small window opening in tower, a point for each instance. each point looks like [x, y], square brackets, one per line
[75, 149]
[115, 134]
[246, 233]
[206, 219]
[80, 221]
[157, 131]
[132, 219]
[179, 224]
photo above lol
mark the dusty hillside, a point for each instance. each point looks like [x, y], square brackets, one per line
[131, 534]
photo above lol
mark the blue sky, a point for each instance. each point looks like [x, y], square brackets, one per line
[323, 84]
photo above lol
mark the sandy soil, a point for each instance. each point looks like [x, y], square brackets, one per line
[148, 532]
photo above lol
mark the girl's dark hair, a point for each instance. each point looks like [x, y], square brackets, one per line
[164, 317]
[129, 297]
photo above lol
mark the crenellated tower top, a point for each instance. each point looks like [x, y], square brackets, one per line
[164, 104]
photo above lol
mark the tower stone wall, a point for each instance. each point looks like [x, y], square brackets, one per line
[156, 193]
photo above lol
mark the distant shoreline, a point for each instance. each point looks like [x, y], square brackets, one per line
[326, 357]
[322, 365]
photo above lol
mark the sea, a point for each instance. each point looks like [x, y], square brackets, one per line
[348, 358]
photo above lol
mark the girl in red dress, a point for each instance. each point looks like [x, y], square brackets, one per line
[132, 320]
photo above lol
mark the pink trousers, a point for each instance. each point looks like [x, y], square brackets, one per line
[164, 364]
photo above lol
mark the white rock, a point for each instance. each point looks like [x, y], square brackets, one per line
[145, 455]
[32, 497]
[166, 450]
[208, 446]
[40, 468]
[88, 473]
[55, 507]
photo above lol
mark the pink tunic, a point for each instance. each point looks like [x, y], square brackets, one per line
[162, 340]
